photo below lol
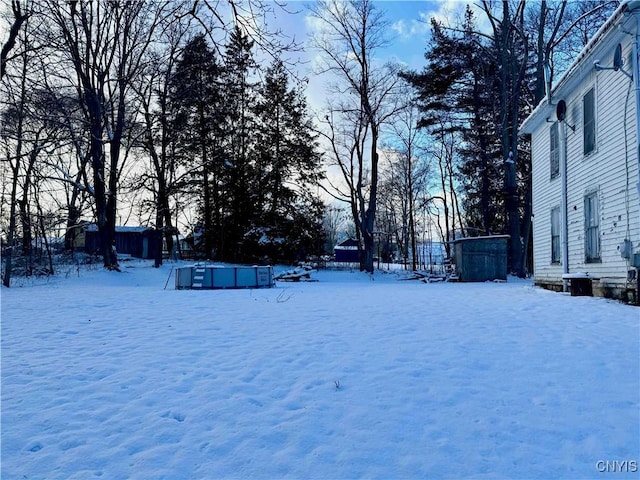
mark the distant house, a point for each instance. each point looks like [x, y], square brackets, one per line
[585, 142]
[140, 242]
[347, 251]
[182, 247]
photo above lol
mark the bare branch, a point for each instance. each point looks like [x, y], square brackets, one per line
[18, 19]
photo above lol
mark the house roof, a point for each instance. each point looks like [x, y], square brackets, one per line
[347, 244]
[94, 228]
[576, 71]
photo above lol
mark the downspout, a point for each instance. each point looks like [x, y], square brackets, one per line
[564, 232]
[633, 7]
[636, 81]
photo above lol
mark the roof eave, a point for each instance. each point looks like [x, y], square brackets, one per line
[573, 74]
[536, 117]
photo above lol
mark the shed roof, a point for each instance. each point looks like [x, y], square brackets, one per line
[94, 228]
[349, 242]
[485, 237]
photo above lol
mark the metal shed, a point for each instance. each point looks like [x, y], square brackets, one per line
[479, 259]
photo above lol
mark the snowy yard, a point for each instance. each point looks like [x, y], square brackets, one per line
[107, 375]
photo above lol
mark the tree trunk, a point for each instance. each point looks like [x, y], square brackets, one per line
[18, 19]
[97, 164]
[15, 170]
[443, 184]
[160, 228]
[370, 215]
[8, 253]
[71, 232]
[509, 151]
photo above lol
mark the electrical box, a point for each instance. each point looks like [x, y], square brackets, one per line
[636, 260]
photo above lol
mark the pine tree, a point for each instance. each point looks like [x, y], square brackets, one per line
[287, 171]
[240, 160]
[456, 95]
[197, 101]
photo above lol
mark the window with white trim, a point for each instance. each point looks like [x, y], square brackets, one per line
[589, 121]
[555, 235]
[591, 228]
[554, 150]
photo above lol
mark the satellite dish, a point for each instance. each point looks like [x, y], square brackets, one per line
[618, 62]
[561, 110]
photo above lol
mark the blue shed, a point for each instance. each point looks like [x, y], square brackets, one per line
[139, 242]
[347, 251]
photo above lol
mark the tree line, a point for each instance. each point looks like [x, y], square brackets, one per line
[460, 157]
[478, 86]
[165, 104]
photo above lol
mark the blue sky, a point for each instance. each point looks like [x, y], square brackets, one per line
[409, 27]
[409, 22]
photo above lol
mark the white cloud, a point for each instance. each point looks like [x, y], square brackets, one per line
[408, 29]
[313, 23]
[451, 12]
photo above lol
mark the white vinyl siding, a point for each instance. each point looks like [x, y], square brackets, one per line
[611, 170]
[546, 194]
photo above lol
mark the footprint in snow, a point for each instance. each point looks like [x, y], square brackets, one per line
[175, 415]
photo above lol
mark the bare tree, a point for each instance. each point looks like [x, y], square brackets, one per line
[411, 167]
[350, 35]
[19, 18]
[333, 223]
[159, 137]
[443, 151]
[104, 43]
[13, 156]
[21, 143]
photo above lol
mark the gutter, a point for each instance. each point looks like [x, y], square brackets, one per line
[564, 234]
[537, 115]
[634, 10]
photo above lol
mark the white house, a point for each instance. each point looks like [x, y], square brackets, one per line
[585, 160]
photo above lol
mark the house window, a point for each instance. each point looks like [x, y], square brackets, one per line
[591, 228]
[555, 235]
[554, 150]
[589, 112]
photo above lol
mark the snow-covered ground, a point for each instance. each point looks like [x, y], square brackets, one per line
[109, 375]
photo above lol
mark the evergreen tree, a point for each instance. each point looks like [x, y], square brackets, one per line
[456, 94]
[251, 153]
[197, 99]
[287, 171]
[240, 159]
